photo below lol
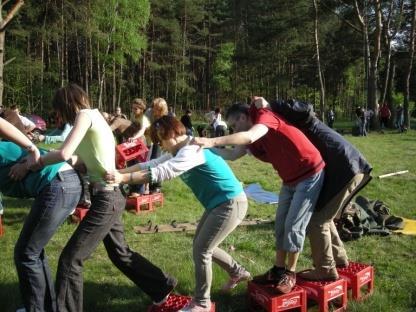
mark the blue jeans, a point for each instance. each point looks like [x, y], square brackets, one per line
[50, 208]
[103, 223]
[296, 204]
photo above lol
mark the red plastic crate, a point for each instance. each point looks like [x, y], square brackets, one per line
[357, 276]
[326, 293]
[1, 225]
[173, 304]
[145, 203]
[266, 298]
[79, 214]
[130, 150]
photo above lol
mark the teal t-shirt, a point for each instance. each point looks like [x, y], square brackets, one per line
[212, 182]
[33, 183]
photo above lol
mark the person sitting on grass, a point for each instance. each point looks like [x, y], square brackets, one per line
[215, 186]
[56, 190]
[301, 167]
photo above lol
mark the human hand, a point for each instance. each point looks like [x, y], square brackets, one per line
[259, 102]
[18, 171]
[33, 159]
[113, 177]
[202, 142]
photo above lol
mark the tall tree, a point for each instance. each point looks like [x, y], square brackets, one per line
[4, 22]
[410, 63]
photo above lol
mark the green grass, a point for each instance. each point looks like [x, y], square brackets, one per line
[106, 289]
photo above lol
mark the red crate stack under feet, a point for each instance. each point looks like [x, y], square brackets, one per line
[130, 150]
[326, 293]
[357, 276]
[173, 304]
[145, 203]
[266, 298]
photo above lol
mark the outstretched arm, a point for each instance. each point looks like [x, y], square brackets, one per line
[11, 133]
[239, 138]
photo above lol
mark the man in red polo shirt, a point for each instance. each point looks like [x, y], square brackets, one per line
[298, 163]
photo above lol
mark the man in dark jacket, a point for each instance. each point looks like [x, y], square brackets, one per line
[347, 172]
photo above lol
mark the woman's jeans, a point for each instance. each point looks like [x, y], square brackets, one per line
[103, 223]
[214, 227]
[296, 204]
[50, 208]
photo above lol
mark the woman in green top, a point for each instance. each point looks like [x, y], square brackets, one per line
[92, 141]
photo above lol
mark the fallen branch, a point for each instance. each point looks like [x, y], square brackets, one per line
[392, 174]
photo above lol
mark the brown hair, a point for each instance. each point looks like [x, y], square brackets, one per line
[166, 127]
[160, 105]
[140, 103]
[68, 101]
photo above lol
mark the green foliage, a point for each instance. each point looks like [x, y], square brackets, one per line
[223, 67]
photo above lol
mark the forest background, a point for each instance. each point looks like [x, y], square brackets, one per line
[201, 54]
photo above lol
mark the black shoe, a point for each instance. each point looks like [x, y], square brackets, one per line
[272, 276]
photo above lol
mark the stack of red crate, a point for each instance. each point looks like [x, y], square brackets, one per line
[129, 151]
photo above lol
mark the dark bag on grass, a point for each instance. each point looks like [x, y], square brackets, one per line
[365, 217]
[299, 114]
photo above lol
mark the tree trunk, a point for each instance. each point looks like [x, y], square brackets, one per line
[3, 24]
[318, 63]
[409, 67]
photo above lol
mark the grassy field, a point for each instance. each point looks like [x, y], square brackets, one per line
[106, 289]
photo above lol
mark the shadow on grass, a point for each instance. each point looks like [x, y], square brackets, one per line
[15, 217]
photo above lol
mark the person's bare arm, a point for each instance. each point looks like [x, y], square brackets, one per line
[231, 153]
[11, 133]
[138, 177]
[65, 152]
[239, 138]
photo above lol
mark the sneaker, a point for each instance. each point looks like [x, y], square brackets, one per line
[272, 276]
[234, 280]
[343, 265]
[320, 274]
[192, 306]
[286, 283]
[161, 302]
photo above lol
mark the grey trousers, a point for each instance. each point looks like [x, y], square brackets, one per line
[214, 227]
[326, 245]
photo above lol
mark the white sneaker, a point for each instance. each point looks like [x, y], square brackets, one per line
[234, 280]
[192, 306]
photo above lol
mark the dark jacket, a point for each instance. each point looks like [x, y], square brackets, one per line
[343, 160]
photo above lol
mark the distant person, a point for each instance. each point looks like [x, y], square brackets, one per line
[171, 111]
[186, 121]
[368, 115]
[123, 129]
[330, 118]
[138, 108]
[361, 121]
[58, 135]
[400, 118]
[119, 114]
[29, 126]
[384, 115]
[218, 124]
